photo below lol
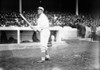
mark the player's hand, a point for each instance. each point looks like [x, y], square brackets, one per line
[39, 29]
[34, 28]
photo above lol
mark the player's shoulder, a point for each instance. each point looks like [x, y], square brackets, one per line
[43, 14]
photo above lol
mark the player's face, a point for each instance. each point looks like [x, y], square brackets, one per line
[39, 11]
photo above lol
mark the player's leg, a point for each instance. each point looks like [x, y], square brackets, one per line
[44, 41]
[45, 34]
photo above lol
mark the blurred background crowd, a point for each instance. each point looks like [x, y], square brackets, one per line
[9, 18]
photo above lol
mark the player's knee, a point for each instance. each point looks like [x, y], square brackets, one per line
[44, 49]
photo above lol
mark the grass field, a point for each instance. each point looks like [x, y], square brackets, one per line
[71, 55]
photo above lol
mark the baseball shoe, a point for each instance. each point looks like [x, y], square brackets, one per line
[47, 59]
[41, 61]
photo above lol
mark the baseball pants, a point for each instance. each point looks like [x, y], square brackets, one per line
[44, 38]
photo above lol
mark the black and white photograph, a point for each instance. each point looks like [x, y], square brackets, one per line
[49, 34]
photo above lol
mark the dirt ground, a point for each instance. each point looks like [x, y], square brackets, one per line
[71, 55]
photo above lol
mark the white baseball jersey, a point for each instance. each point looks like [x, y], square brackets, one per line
[42, 21]
[43, 24]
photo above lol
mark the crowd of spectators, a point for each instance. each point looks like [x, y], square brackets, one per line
[9, 18]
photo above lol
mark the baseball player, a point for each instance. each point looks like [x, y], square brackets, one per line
[43, 28]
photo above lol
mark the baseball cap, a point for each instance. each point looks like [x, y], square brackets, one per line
[41, 8]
